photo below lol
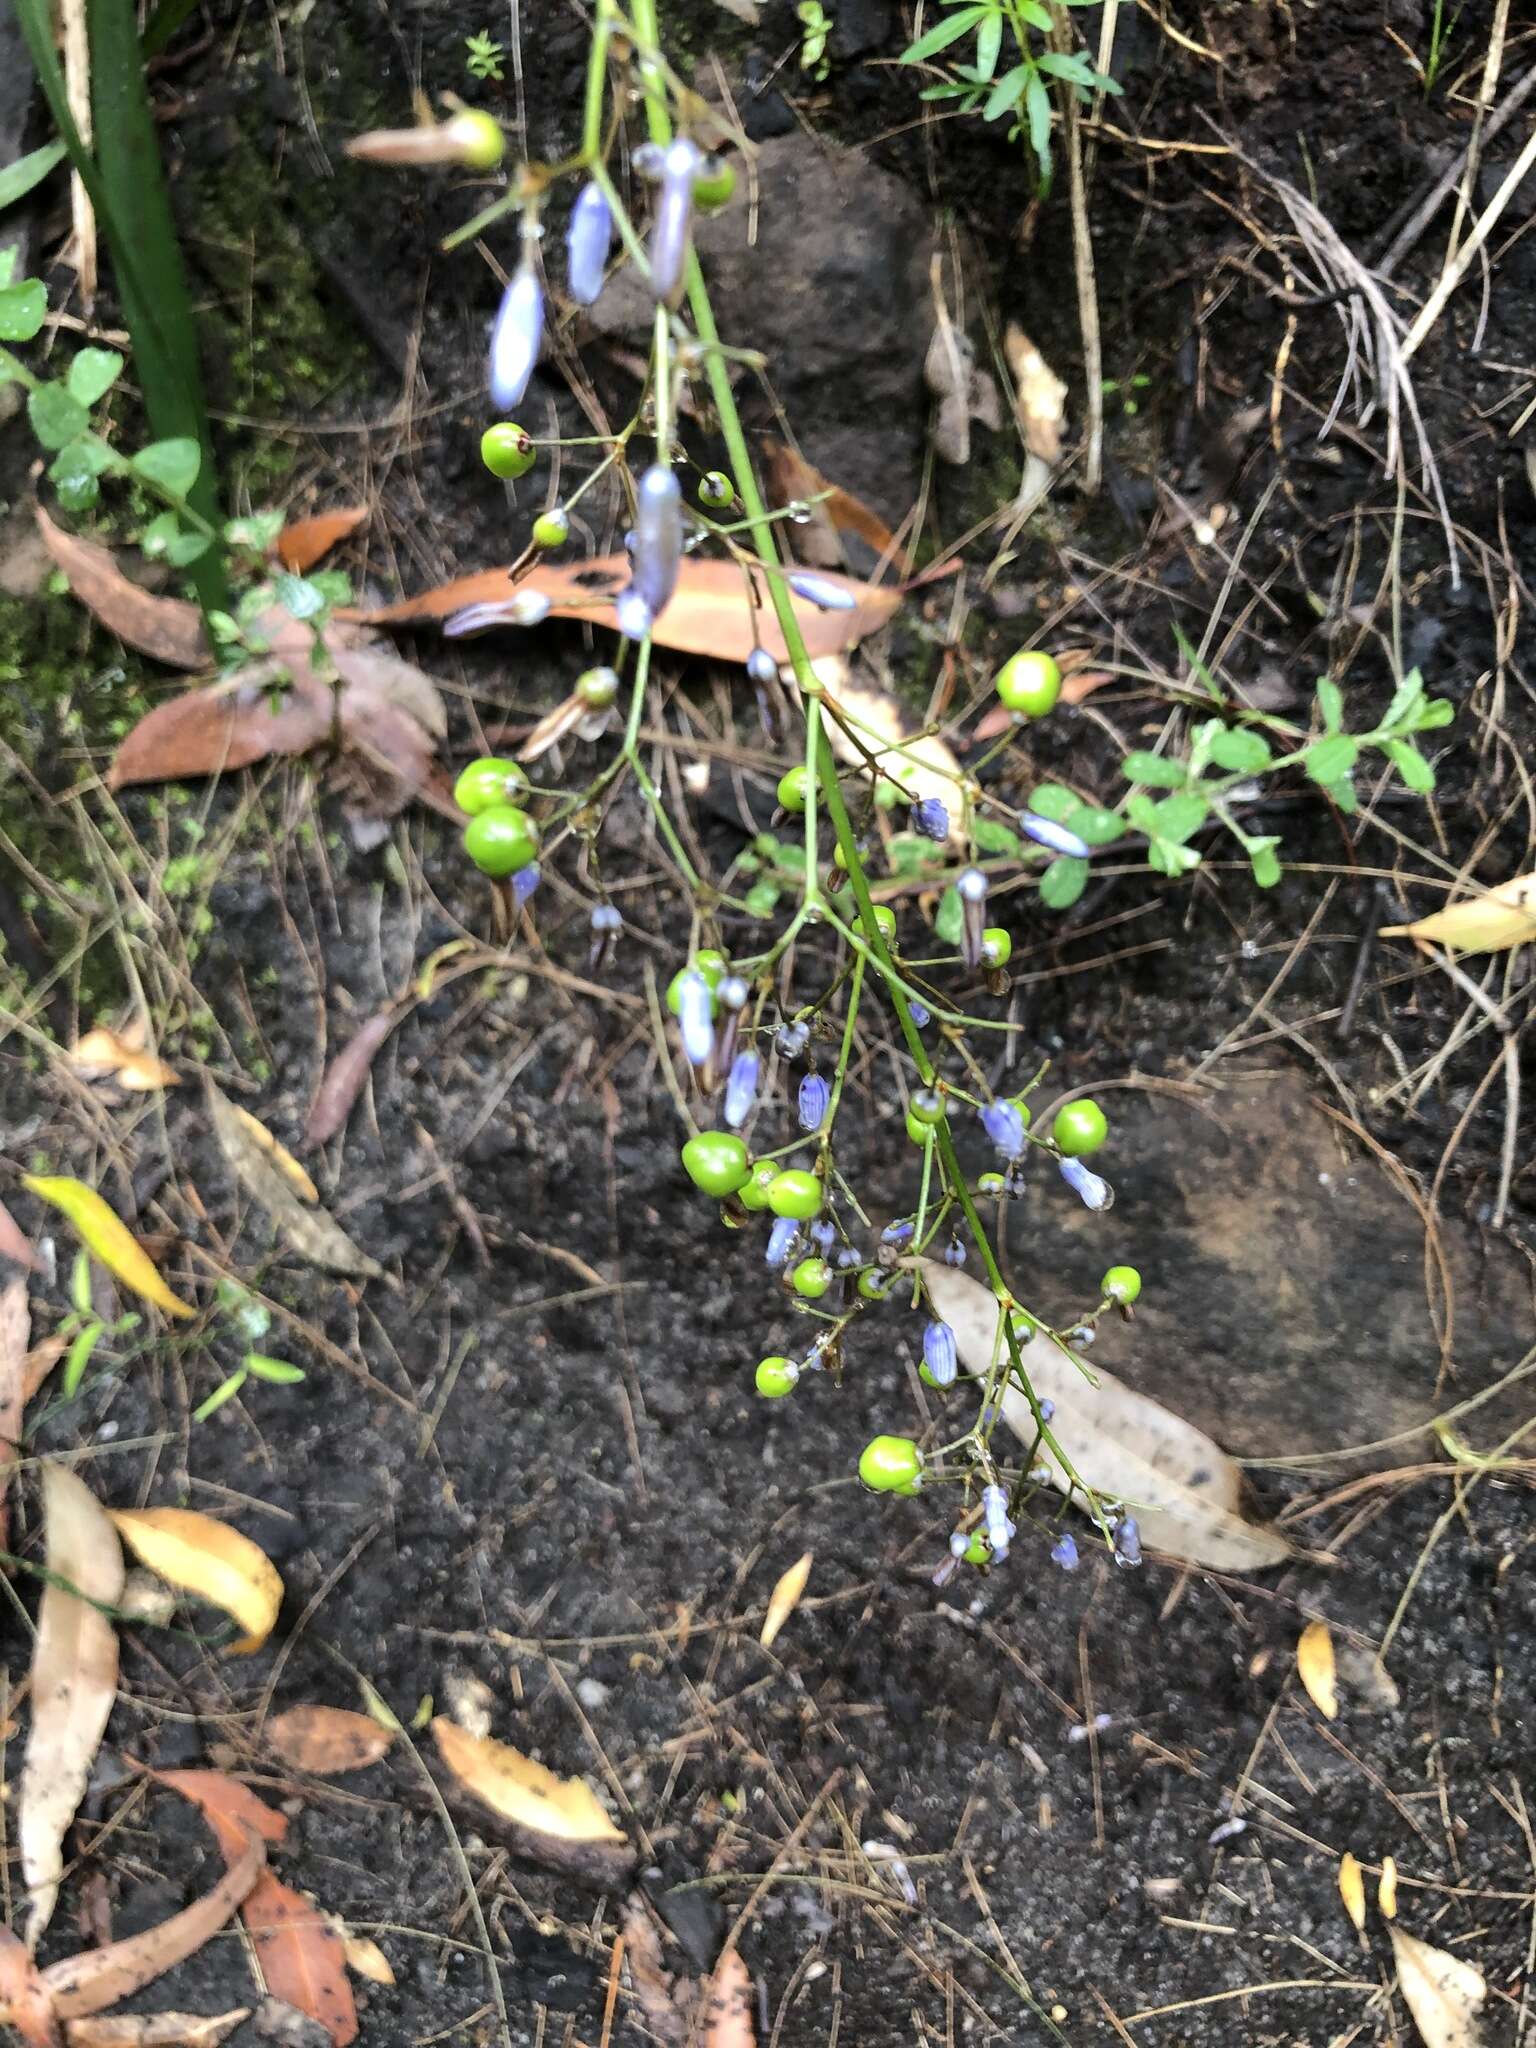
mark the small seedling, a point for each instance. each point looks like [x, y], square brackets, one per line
[483, 57]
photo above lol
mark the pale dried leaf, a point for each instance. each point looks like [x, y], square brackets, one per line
[216, 729]
[196, 1554]
[154, 2029]
[665, 1998]
[1316, 1668]
[553, 727]
[26, 2009]
[15, 1337]
[377, 677]
[785, 1597]
[1441, 1991]
[1499, 918]
[1186, 1491]
[328, 1740]
[728, 2005]
[522, 1790]
[877, 736]
[1386, 1889]
[1352, 1889]
[279, 1154]
[1365, 1681]
[166, 627]
[14, 1242]
[791, 479]
[74, 1680]
[103, 1054]
[366, 1959]
[313, 1233]
[1040, 397]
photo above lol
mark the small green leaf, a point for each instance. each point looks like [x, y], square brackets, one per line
[1264, 861]
[1406, 699]
[1054, 800]
[1179, 817]
[156, 538]
[18, 179]
[80, 1282]
[1331, 760]
[943, 33]
[1006, 94]
[172, 465]
[1343, 794]
[79, 1357]
[1037, 105]
[1418, 773]
[1330, 702]
[1063, 881]
[949, 921]
[93, 373]
[1154, 769]
[57, 419]
[73, 473]
[989, 46]
[992, 837]
[1037, 16]
[1240, 750]
[276, 1371]
[226, 1390]
[1098, 827]
[1434, 712]
[762, 899]
[300, 596]
[258, 531]
[23, 309]
[1167, 859]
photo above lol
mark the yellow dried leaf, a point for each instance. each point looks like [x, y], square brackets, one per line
[104, 1054]
[1441, 1991]
[1040, 397]
[1386, 1889]
[786, 1597]
[367, 1959]
[514, 1786]
[199, 1555]
[1499, 918]
[108, 1238]
[279, 1155]
[1352, 1890]
[1315, 1668]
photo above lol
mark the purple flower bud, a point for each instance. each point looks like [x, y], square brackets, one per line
[523, 608]
[1047, 1409]
[929, 819]
[898, 1233]
[741, 1088]
[673, 225]
[1005, 1128]
[1000, 1531]
[696, 1018]
[1094, 1193]
[1082, 1336]
[824, 1234]
[1046, 832]
[811, 1106]
[822, 591]
[658, 537]
[605, 918]
[959, 1543]
[971, 887]
[515, 338]
[732, 993]
[781, 1240]
[954, 1253]
[647, 159]
[1064, 1553]
[632, 615]
[587, 237]
[1127, 1541]
[1227, 1831]
[846, 1257]
[919, 1015]
[792, 1039]
[939, 1354]
[524, 882]
[761, 666]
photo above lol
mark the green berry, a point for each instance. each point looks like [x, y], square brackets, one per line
[891, 1464]
[478, 138]
[792, 788]
[1026, 1114]
[507, 450]
[811, 1279]
[795, 1193]
[713, 965]
[489, 781]
[716, 490]
[552, 529]
[597, 688]
[762, 899]
[1122, 1284]
[1029, 682]
[501, 839]
[918, 1129]
[710, 965]
[1080, 1127]
[991, 1184]
[875, 1283]
[714, 184]
[716, 1161]
[776, 1377]
[927, 1105]
[996, 946]
[754, 1192]
[885, 920]
[977, 1551]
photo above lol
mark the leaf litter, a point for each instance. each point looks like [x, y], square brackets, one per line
[196, 1554]
[312, 1232]
[328, 1740]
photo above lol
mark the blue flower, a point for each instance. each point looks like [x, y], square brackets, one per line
[814, 1100]
[1064, 1553]
[1005, 1128]
[1000, 1531]
[1094, 1193]
[696, 1018]
[516, 337]
[761, 666]
[1046, 832]
[658, 537]
[741, 1088]
[524, 882]
[673, 227]
[781, 1240]
[939, 1354]
[792, 1039]
[822, 591]
[587, 236]
[1127, 1541]
[930, 819]
[919, 1015]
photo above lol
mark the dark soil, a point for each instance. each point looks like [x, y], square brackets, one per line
[543, 1468]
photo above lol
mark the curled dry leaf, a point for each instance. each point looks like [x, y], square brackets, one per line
[342, 1080]
[166, 627]
[1441, 1991]
[231, 1809]
[328, 1740]
[1501, 917]
[1352, 1890]
[521, 1790]
[26, 2009]
[1040, 397]
[728, 2005]
[875, 735]
[793, 480]
[553, 727]
[289, 1167]
[74, 1680]
[108, 1238]
[785, 1597]
[313, 1233]
[665, 1998]
[106, 1055]
[718, 610]
[303, 542]
[15, 1337]
[1316, 1668]
[198, 1555]
[366, 1959]
[154, 2029]
[1186, 1491]
[1386, 1889]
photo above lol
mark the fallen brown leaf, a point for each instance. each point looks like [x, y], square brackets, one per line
[366, 1959]
[665, 1997]
[1040, 397]
[154, 2029]
[328, 1740]
[103, 1054]
[313, 1233]
[556, 1821]
[14, 1242]
[728, 2005]
[25, 2005]
[342, 1080]
[717, 612]
[231, 1809]
[303, 542]
[1081, 684]
[74, 1681]
[166, 627]
[786, 1597]
[301, 1956]
[15, 1335]
[791, 480]
[215, 730]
